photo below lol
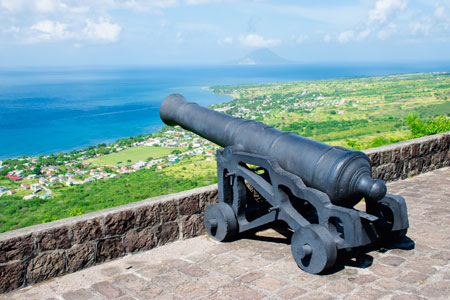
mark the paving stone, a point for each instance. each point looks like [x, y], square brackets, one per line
[194, 271]
[107, 289]
[192, 290]
[243, 293]
[439, 289]
[407, 297]
[339, 287]
[81, 294]
[290, 292]
[362, 279]
[268, 283]
[251, 276]
[391, 260]
[371, 293]
[253, 267]
[413, 277]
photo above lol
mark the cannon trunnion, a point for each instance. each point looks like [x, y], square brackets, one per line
[266, 175]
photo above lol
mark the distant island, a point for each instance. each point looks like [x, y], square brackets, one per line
[262, 56]
[357, 113]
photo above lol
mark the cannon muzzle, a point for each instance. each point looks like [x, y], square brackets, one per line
[343, 174]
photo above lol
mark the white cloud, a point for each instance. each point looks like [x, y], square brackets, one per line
[439, 12]
[225, 41]
[257, 41]
[346, 36]
[327, 38]
[104, 30]
[13, 6]
[302, 38]
[387, 32]
[384, 9]
[363, 34]
[46, 6]
[49, 30]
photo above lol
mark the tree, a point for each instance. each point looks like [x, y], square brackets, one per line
[37, 171]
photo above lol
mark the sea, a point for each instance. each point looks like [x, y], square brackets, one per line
[51, 110]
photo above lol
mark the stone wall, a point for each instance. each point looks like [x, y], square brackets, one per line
[409, 158]
[33, 254]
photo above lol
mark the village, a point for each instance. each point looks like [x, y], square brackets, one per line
[83, 169]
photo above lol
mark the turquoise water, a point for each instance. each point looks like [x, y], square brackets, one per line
[58, 110]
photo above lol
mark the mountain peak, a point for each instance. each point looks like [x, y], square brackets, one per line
[262, 56]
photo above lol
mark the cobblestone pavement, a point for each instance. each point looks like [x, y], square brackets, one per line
[261, 266]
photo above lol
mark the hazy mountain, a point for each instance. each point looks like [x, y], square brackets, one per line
[262, 57]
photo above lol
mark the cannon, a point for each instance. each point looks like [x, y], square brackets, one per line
[266, 175]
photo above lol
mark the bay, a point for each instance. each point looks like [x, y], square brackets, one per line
[51, 110]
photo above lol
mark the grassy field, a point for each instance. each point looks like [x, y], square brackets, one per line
[344, 112]
[334, 111]
[134, 154]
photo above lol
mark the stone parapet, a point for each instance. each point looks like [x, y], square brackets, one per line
[408, 158]
[36, 253]
[33, 254]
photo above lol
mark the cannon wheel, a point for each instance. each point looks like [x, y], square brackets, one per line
[313, 248]
[220, 222]
[386, 220]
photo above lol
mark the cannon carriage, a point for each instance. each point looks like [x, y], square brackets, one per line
[266, 175]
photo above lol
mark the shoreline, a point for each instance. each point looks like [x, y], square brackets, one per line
[205, 88]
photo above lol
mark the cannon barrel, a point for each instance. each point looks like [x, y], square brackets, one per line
[343, 174]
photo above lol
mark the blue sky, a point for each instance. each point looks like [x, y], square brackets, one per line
[154, 32]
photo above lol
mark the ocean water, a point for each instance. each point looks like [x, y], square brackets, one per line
[45, 111]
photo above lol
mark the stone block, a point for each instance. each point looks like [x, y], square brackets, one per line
[207, 199]
[80, 257]
[138, 240]
[147, 216]
[46, 265]
[396, 155]
[56, 238]
[375, 158]
[435, 158]
[166, 233]
[415, 150]
[16, 248]
[11, 277]
[120, 222]
[424, 148]
[109, 248]
[406, 152]
[192, 226]
[386, 157]
[169, 211]
[189, 205]
[442, 156]
[434, 146]
[88, 230]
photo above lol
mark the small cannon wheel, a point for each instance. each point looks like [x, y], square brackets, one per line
[313, 248]
[220, 222]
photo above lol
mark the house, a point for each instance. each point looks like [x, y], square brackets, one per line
[14, 177]
[29, 197]
[10, 192]
[3, 189]
[25, 186]
[36, 187]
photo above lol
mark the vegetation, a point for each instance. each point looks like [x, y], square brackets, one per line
[358, 113]
[134, 154]
[70, 201]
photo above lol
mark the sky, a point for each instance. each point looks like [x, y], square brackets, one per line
[191, 32]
